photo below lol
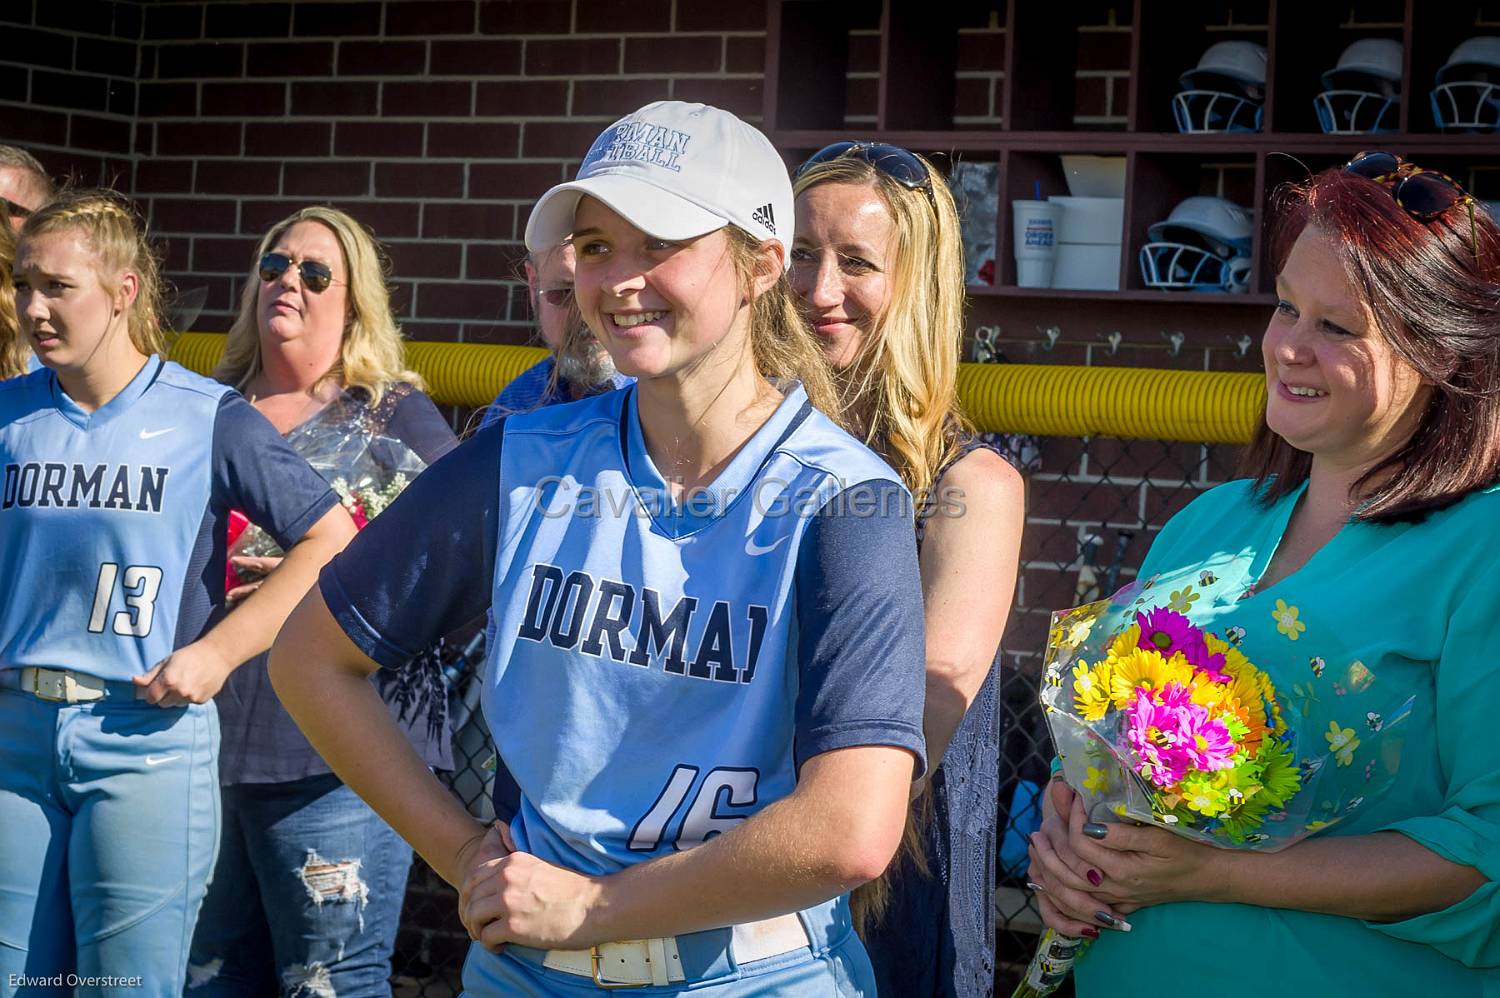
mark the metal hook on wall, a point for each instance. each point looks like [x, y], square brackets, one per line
[1175, 341]
[1242, 345]
[987, 344]
[1050, 336]
[1113, 339]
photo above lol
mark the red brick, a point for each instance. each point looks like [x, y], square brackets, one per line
[284, 139]
[572, 56]
[340, 20]
[525, 17]
[377, 138]
[402, 295]
[192, 215]
[122, 98]
[422, 180]
[291, 59]
[248, 20]
[239, 177]
[982, 51]
[497, 335]
[481, 57]
[512, 181]
[612, 98]
[1085, 502]
[214, 322]
[1164, 502]
[427, 100]
[199, 60]
[168, 99]
[193, 138]
[743, 97]
[624, 16]
[1103, 50]
[257, 216]
[559, 140]
[104, 134]
[530, 98]
[493, 261]
[431, 332]
[711, 16]
[127, 23]
[170, 20]
[473, 141]
[429, 17]
[426, 258]
[224, 255]
[83, 93]
[13, 82]
[744, 55]
[175, 256]
[673, 55]
[331, 178]
[112, 58]
[335, 98]
[244, 100]
[382, 58]
[389, 219]
[145, 138]
[471, 220]
[163, 176]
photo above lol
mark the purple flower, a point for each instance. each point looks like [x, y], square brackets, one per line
[1172, 735]
[1170, 633]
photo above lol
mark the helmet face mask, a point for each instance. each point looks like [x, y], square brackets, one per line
[1357, 112]
[1225, 91]
[1467, 95]
[1203, 245]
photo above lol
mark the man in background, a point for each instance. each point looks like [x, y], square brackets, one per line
[24, 185]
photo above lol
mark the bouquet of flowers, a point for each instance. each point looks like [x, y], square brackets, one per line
[1160, 720]
[345, 444]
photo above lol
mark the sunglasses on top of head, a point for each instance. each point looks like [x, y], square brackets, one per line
[316, 276]
[901, 165]
[1423, 194]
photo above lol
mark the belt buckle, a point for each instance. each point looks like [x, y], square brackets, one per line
[50, 685]
[594, 958]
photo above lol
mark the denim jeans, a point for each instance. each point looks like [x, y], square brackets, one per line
[109, 817]
[306, 896]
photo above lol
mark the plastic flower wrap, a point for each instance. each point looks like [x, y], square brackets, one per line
[1160, 719]
[345, 445]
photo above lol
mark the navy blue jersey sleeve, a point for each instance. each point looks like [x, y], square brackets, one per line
[861, 643]
[423, 567]
[256, 472]
[417, 423]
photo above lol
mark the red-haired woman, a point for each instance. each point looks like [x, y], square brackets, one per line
[1371, 514]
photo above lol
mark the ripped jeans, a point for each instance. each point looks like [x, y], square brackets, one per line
[305, 898]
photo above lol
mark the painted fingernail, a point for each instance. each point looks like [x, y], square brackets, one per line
[1091, 932]
[1106, 919]
[1094, 830]
[1122, 925]
[1035, 887]
[1095, 878]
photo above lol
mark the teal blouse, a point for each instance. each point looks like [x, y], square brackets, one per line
[1419, 605]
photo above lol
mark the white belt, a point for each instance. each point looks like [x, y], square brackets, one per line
[64, 685]
[635, 963]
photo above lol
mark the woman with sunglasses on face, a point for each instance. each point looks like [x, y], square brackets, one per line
[309, 883]
[1372, 510]
[878, 265]
[707, 671]
[120, 472]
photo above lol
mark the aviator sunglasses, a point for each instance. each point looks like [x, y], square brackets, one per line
[15, 210]
[901, 165]
[316, 277]
[1422, 194]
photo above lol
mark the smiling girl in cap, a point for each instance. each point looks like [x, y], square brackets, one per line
[708, 671]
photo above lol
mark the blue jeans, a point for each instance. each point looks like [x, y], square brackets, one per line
[306, 896]
[109, 818]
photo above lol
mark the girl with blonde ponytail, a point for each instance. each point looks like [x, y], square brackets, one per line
[878, 265]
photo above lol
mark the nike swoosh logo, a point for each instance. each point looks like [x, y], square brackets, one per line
[754, 550]
[157, 760]
[148, 434]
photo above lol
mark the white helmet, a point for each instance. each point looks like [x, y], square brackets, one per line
[1203, 245]
[1363, 92]
[1467, 95]
[1225, 92]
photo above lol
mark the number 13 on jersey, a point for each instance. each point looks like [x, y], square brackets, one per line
[138, 587]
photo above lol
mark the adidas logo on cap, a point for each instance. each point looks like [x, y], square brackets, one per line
[765, 216]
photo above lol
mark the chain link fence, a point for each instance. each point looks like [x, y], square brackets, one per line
[1093, 507]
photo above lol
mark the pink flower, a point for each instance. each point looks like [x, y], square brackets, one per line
[1170, 633]
[1171, 735]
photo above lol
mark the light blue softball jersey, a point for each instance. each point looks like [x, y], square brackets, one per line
[112, 523]
[659, 674]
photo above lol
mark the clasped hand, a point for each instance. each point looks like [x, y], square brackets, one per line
[510, 896]
[1091, 875]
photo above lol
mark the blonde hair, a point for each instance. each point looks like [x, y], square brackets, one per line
[902, 392]
[110, 227]
[780, 342]
[13, 352]
[371, 356]
[902, 387]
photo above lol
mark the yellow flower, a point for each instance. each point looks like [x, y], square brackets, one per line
[1144, 668]
[1091, 689]
[1125, 642]
[1096, 780]
[1341, 742]
[1286, 620]
[1182, 599]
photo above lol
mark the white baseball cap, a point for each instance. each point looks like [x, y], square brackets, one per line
[676, 171]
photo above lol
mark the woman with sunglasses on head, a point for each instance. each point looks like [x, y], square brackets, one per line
[878, 265]
[1367, 525]
[707, 672]
[120, 472]
[316, 350]
[15, 357]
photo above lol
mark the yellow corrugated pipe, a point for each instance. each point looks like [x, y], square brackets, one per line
[1048, 400]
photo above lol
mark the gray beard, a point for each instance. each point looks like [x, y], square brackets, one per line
[584, 365]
